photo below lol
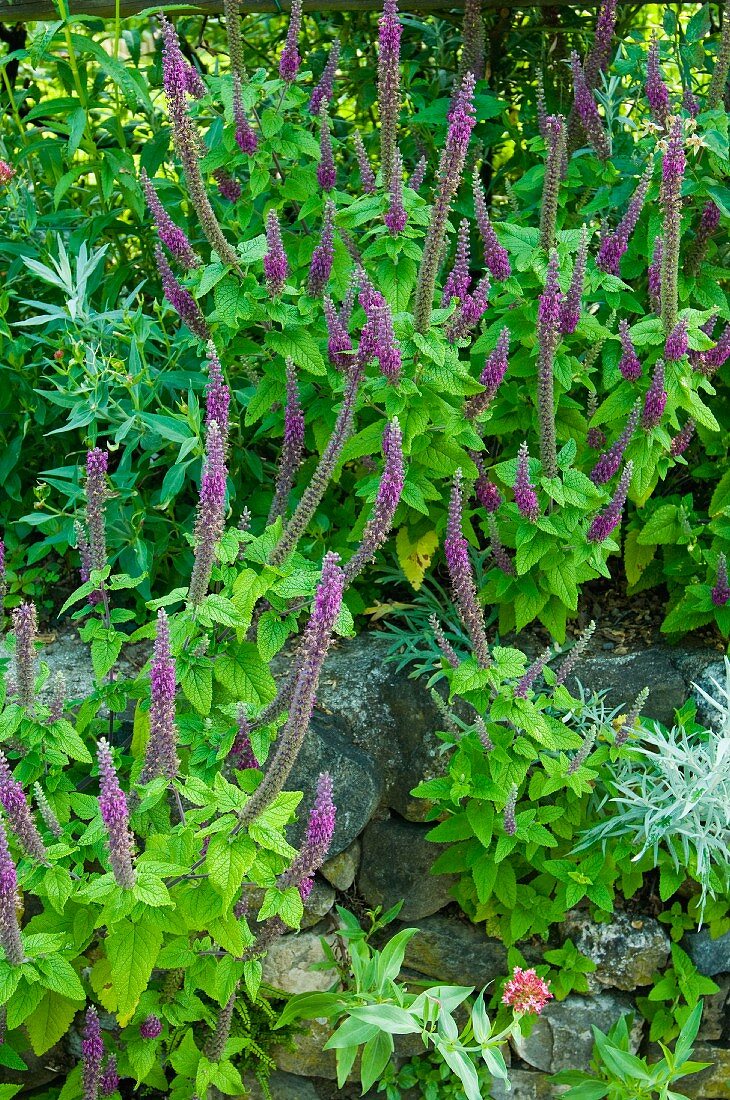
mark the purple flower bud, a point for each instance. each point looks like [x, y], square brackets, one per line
[324, 91]
[25, 626]
[462, 577]
[609, 462]
[210, 517]
[20, 818]
[587, 111]
[388, 497]
[275, 263]
[707, 362]
[246, 138]
[217, 395]
[419, 174]
[242, 755]
[317, 840]
[595, 438]
[367, 176]
[496, 257]
[470, 312]
[656, 398]
[290, 60]
[508, 821]
[92, 1053]
[339, 344]
[161, 752]
[389, 35]
[555, 139]
[718, 83]
[228, 188]
[115, 815]
[628, 364]
[323, 255]
[531, 675]
[194, 85]
[689, 103]
[682, 440]
[599, 55]
[109, 1082]
[170, 234]
[654, 275]
[485, 490]
[571, 304]
[525, 495]
[495, 368]
[575, 654]
[292, 447]
[458, 281]
[180, 299]
[656, 90]
[613, 245]
[443, 642]
[721, 592]
[607, 520]
[396, 217]
[326, 172]
[151, 1027]
[677, 344]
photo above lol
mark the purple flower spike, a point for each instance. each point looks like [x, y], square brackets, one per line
[396, 216]
[689, 103]
[317, 840]
[485, 490]
[458, 281]
[595, 438]
[246, 138]
[388, 497]
[470, 312]
[721, 592]
[325, 90]
[548, 336]
[151, 1027]
[389, 100]
[656, 398]
[608, 464]
[673, 166]
[525, 495]
[217, 395]
[587, 111]
[292, 447]
[170, 234]
[115, 815]
[571, 305]
[181, 299]
[443, 642]
[491, 377]
[367, 176]
[161, 753]
[10, 939]
[628, 364]
[339, 344]
[654, 275]
[377, 340]
[210, 517]
[599, 55]
[25, 627]
[290, 60]
[462, 577]
[97, 464]
[228, 188]
[609, 519]
[709, 221]
[533, 672]
[567, 666]
[109, 1082]
[20, 818]
[613, 245]
[326, 171]
[323, 255]
[275, 262]
[419, 174]
[92, 1053]
[555, 139]
[508, 820]
[682, 440]
[501, 558]
[656, 90]
[677, 344]
[242, 755]
[496, 257]
[3, 576]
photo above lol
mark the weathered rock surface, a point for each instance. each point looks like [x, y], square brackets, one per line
[357, 786]
[716, 1011]
[709, 956]
[340, 870]
[623, 677]
[452, 951]
[626, 951]
[284, 1086]
[396, 864]
[287, 966]
[712, 1083]
[308, 1058]
[525, 1086]
[562, 1038]
[318, 904]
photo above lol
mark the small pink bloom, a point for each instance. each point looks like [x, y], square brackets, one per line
[526, 992]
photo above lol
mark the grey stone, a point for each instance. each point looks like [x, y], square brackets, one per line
[308, 1058]
[387, 714]
[357, 786]
[626, 950]
[526, 1085]
[624, 676]
[716, 1011]
[395, 866]
[712, 1083]
[455, 952]
[318, 904]
[709, 956]
[340, 870]
[703, 668]
[283, 1086]
[289, 961]
[561, 1037]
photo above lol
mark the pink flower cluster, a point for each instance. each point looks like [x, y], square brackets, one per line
[526, 992]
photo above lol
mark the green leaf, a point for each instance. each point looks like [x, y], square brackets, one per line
[132, 951]
[58, 886]
[227, 862]
[51, 1020]
[299, 346]
[375, 1057]
[245, 675]
[105, 650]
[57, 974]
[197, 685]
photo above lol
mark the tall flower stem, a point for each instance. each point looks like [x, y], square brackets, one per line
[548, 337]
[671, 196]
[716, 91]
[388, 85]
[555, 153]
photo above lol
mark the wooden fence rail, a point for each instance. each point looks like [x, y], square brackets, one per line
[26, 11]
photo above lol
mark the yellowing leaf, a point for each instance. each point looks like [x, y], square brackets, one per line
[636, 557]
[415, 557]
[140, 732]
